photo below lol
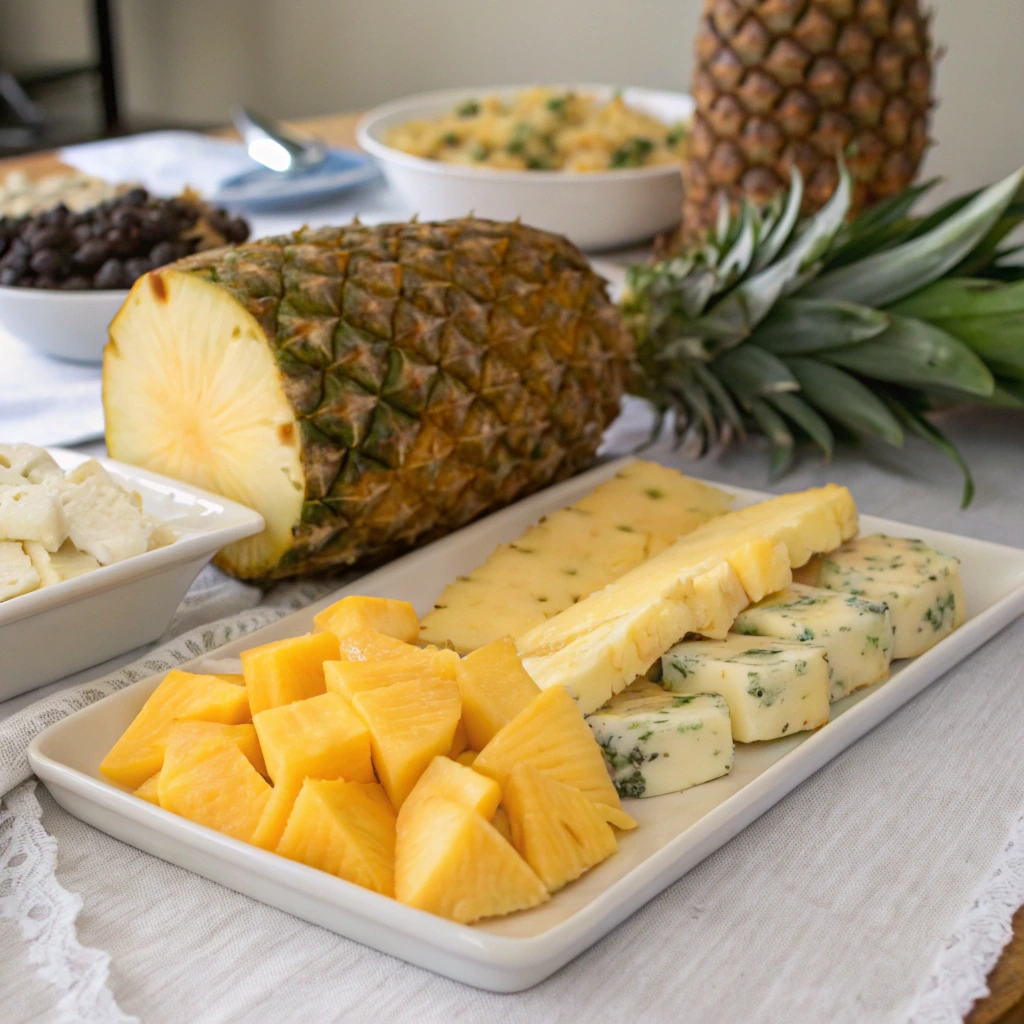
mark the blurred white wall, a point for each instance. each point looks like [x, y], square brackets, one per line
[192, 59]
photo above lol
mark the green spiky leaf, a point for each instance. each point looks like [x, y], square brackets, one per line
[799, 326]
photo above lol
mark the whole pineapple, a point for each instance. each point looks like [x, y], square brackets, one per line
[782, 83]
[366, 387]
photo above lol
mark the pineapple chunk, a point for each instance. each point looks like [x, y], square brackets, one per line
[598, 646]
[139, 753]
[494, 687]
[396, 619]
[410, 724]
[453, 781]
[551, 735]
[277, 811]
[33, 512]
[28, 461]
[65, 563]
[346, 829]
[451, 861]
[348, 678]
[571, 554]
[502, 824]
[185, 734]
[557, 830]
[150, 790]
[920, 585]
[212, 782]
[362, 644]
[467, 757]
[320, 736]
[17, 573]
[287, 670]
[460, 742]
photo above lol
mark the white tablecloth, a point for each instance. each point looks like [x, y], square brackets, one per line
[880, 891]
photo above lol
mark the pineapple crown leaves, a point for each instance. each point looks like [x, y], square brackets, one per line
[821, 328]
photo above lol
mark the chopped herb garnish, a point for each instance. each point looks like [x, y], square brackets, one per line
[468, 109]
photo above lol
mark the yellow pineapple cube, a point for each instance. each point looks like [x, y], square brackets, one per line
[502, 824]
[451, 861]
[494, 687]
[243, 736]
[277, 811]
[453, 781]
[347, 678]
[230, 677]
[364, 644]
[551, 735]
[212, 782]
[139, 753]
[346, 829]
[557, 830]
[410, 724]
[397, 619]
[467, 757]
[460, 742]
[321, 737]
[287, 670]
[616, 816]
[150, 790]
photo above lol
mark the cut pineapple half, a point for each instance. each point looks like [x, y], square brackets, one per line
[213, 412]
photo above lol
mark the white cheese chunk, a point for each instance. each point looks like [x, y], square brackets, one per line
[104, 522]
[34, 464]
[656, 742]
[773, 688]
[921, 586]
[855, 632]
[58, 566]
[8, 478]
[33, 512]
[17, 574]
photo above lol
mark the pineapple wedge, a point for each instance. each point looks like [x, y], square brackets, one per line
[454, 781]
[368, 645]
[558, 831]
[287, 670]
[150, 790]
[571, 554]
[17, 573]
[451, 861]
[598, 646]
[65, 563]
[277, 811]
[396, 619]
[348, 678]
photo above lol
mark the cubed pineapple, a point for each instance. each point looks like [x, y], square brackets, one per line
[277, 811]
[558, 831]
[396, 619]
[346, 829]
[150, 790]
[460, 742]
[139, 753]
[212, 782]
[773, 688]
[410, 724]
[445, 777]
[451, 861]
[364, 644]
[286, 670]
[550, 734]
[348, 678]
[321, 737]
[184, 734]
[495, 688]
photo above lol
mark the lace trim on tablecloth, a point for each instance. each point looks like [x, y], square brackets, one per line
[958, 977]
[45, 912]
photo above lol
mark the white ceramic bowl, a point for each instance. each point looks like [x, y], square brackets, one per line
[53, 632]
[599, 210]
[68, 325]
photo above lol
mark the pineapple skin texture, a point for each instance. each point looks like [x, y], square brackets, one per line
[777, 85]
[435, 372]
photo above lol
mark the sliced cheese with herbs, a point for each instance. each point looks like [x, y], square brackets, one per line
[655, 742]
[773, 687]
[855, 632]
[921, 587]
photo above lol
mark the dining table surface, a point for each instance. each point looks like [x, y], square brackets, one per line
[1005, 1002]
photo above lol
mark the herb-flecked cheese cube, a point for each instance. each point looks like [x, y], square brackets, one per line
[773, 687]
[855, 632]
[655, 742]
[920, 585]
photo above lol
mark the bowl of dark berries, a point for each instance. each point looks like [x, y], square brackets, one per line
[64, 274]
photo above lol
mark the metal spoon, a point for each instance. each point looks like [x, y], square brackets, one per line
[274, 147]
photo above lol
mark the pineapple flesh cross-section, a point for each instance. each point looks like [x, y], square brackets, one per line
[698, 585]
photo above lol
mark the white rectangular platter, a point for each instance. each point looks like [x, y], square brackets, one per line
[676, 831]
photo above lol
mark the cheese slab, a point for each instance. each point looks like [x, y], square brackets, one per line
[656, 742]
[856, 633]
[773, 687]
[920, 585]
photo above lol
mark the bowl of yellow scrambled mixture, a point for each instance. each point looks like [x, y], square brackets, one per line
[595, 163]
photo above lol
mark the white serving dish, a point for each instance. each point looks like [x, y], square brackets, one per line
[53, 632]
[676, 831]
[69, 325]
[600, 210]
